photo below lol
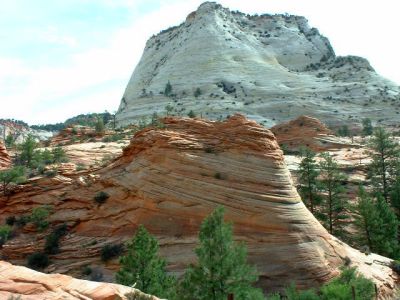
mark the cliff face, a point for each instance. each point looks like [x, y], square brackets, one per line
[5, 161]
[273, 68]
[31, 285]
[169, 180]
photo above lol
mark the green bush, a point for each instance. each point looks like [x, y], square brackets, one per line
[39, 217]
[10, 221]
[5, 231]
[101, 197]
[53, 239]
[38, 261]
[110, 251]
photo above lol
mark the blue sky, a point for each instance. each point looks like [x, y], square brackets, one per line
[59, 58]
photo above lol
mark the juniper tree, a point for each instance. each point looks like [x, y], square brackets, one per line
[143, 267]
[221, 267]
[308, 173]
[385, 162]
[333, 204]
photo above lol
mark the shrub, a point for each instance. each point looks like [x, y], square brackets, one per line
[191, 114]
[341, 287]
[395, 265]
[53, 239]
[137, 295]
[5, 232]
[39, 217]
[22, 221]
[10, 220]
[38, 261]
[110, 251]
[197, 92]
[101, 197]
[87, 270]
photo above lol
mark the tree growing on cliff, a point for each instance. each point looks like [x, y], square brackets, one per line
[308, 174]
[222, 267]
[384, 167]
[331, 185]
[168, 89]
[143, 267]
[11, 176]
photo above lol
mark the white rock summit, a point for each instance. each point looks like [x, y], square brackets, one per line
[270, 67]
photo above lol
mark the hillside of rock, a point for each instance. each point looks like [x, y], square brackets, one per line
[25, 284]
[169, 180]
[5, 161]
[272, 68]
[306, 131]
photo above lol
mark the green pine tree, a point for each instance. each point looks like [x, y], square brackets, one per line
[222, 267]
[28, 150]
[144, 268]
[331, 184]
[377, 224]
[367, 127]
[308, 173]
[385, 162]
[99, 127]
[168, 89]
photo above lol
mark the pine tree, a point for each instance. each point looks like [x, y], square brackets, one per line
[28, 150]
[99, 127]
[367, 127]
[144, 268]
[385, 161]
[331, 184]
[308, 174]
[378, 224]
[168, 89]
[222, 265]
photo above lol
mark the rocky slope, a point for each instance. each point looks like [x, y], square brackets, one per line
[20, 130]
[309, 132]
[169, 180]
[270, 67]
[31, 285]
[5, 161]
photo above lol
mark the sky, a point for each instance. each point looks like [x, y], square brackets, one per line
[60, 58]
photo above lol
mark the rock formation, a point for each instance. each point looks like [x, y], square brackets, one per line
[5, 161]
[272, 68]
[25, 284]
[169, 180]
[308, 132]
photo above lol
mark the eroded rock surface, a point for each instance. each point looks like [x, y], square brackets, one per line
[5, 161]
[309, 132]
[169, 180]
[272, 68]
[27, 284]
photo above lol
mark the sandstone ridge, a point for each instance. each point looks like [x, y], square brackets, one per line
[309, 132]
[31, 285]
[169, 179]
